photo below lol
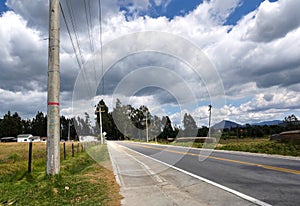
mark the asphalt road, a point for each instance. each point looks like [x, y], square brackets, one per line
[273, 180]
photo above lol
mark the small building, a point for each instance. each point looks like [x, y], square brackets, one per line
[35, 138]
[44, 139]
[24, 137]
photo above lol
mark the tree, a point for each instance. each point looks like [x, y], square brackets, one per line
[168, 131]
[202, 132]
[156, 127]
[291, 122]
[39, 125]
[108, 125]
[11, 125]
[145, 120]
[26, 126]
[121, 120]
[290, 119]
[190, 126]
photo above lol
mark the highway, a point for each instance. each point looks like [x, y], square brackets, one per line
[274, 180]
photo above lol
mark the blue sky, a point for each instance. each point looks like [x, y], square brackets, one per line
[176, 8]
[3, 7]
[257, 61]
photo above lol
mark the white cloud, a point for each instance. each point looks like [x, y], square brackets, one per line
[23, 54]
[273, 20]
[257, 60]
[27, 104]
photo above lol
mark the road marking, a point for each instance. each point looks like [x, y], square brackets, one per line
[145, 167]
[114, 165]
[237, 193]
[280, 169]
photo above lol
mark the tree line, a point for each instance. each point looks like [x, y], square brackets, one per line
[12, 125]
[127, 122]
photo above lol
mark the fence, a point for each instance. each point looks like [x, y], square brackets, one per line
[64, 150]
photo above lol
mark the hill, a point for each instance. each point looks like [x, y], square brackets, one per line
[226, 124]
[272, 122]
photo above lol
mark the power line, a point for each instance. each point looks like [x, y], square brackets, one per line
[75, 40]
[74, 26]
[101, 44]
[72, 41]
[88, 15]
[80, 64]
[88, 18]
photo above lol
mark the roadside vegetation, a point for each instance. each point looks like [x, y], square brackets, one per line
[260, 146]
[82, 180]
[254, 145]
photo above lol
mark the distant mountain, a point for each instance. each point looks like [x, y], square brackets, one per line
[272, 122]
[226, 124]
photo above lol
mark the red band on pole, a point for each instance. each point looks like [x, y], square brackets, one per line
[53, 103]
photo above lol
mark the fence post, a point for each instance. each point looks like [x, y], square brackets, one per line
[72, 149]
[30, 156]
[65, 154]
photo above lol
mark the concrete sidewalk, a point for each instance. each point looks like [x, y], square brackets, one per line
[144, 181]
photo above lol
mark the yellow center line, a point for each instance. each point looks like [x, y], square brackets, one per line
[297, 172]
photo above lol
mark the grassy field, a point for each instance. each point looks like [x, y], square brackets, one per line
[82, 180]
[256, 145]
[260, 146]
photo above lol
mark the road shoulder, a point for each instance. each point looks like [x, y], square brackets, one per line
[144, 181]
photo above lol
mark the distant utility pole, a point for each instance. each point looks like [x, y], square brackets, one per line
[209, 120]
[53, 112]
[147, 138]
[145, 113]
[101, 132]
[69, 131]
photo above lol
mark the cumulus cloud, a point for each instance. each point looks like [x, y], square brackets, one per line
[273, 20]
[257, 59]
[27, 104]
[274, 62]
[23, 55]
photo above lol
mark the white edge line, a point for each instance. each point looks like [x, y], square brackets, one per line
[146, 167]
[237, 193]
[115, 167]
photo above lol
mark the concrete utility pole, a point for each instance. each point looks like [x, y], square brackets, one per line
[53, 113]
[209, 119]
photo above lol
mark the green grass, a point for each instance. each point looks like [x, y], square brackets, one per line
[256, 145]
[266, 147]
[82, 181]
